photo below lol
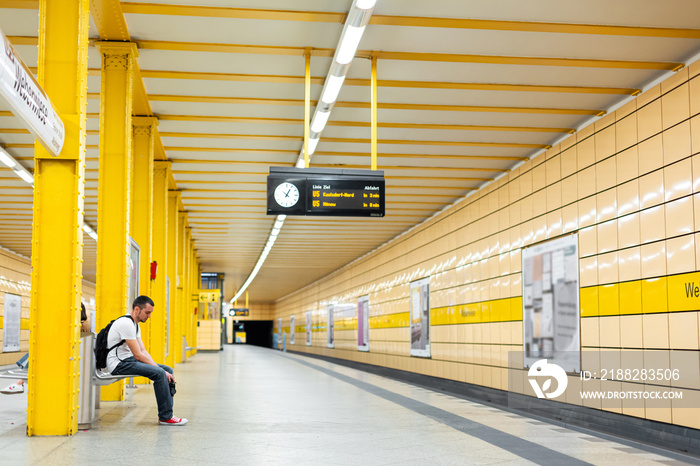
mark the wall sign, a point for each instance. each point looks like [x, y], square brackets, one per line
[12, 320]
[28, 100]
[325, 192]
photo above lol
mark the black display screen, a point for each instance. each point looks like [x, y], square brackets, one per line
[332, 196]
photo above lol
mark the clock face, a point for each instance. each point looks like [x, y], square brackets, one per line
[286, 195]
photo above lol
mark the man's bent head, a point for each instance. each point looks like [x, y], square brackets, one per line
[142, 308]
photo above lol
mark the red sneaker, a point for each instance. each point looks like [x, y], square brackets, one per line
[173, 421]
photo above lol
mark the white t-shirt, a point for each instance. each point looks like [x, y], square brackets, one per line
[123, 328]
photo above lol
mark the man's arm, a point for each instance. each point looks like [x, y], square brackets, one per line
[140, 353]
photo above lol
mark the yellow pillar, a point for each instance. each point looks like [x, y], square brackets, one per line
[144, 129]
[181, 296]
[173, 322]
[114, 183]
[194, 284]
[187, 290]
[52, 401]
[161, 172]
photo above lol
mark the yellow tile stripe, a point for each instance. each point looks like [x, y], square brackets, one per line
[23, 323]
[498, 310]
[674, 293]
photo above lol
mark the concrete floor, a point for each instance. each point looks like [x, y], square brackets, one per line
[255, 406]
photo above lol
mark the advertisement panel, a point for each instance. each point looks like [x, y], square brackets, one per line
[363, 323]
[420, 318]
[551, 312]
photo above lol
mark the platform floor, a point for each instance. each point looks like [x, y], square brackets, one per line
[255, 406]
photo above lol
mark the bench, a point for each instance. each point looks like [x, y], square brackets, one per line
[186, 348]
[16, 374]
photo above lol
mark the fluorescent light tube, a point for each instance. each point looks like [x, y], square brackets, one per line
[300, 163]
[332, 88]
[348, 47]
[6, 159]
[320, 120]
[365, 4]
[312, 145]
[26, 176]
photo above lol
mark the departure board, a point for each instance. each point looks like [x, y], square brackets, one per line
[345, 197]
[325, 192]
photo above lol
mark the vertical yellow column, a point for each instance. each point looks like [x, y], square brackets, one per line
[144, 129]
[373, 106]
[195, 284]
[189, 316]
[159, 253]
[182, 304]
[52, 403]
[174, 323]
[114, 187]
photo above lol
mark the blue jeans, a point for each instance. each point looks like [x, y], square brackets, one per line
[130, 366]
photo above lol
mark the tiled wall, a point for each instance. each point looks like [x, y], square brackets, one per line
[15, 278]
[629, 184]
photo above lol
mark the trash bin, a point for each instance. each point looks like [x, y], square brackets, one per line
[86, 397]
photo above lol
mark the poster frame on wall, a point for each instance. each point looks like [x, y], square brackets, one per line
[551, 302]
[12, 323]
[330, 326]
[363, 323]
[309, 328]
[419, 314]
[292, 329]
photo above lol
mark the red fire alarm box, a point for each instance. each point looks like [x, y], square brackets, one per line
[154, 269]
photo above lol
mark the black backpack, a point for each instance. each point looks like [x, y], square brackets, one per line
[101, 348]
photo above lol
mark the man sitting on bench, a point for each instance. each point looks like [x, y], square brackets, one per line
[131, 357]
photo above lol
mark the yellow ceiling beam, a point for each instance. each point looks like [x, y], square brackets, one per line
[283, 79]
[354, 140]
[392, 106]
[352, 154]
[361, 124]
[389, 55]
[408, 21]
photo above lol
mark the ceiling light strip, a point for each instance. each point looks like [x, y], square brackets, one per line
[357, 19]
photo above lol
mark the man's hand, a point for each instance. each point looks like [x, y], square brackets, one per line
[171, 377]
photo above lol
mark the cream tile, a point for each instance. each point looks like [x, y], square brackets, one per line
[586, 182]
[588, 271]
[588, 241]
[569, 190]
[604, 143]
[652, 224]
[631, 331]
[626, 132]
[553, 170]
[628, 231]
[651, 154]
[682, 329]
[526, 208]
[651, 189]
[539, 202]
[649, 119]
[627, 197]
[586, 212]
[653, 259]
[539, 177]
[695, 134]
[695, 94]
[655, 331]
[630, 264]
[590, 331]
[554, 224]
[675, 106]
[679, 217]
[680, 254]
[607, 236]
[568, 162]
[585, 153]
[678, 180]
[608, 268]
[569, 217]
[610, 331]
[554, 196]
[627, 165]
[606, 205]
[676, 142]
